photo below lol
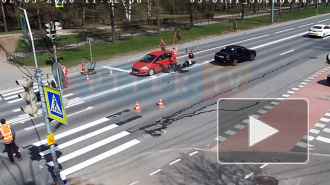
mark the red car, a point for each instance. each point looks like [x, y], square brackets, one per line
[153, 63]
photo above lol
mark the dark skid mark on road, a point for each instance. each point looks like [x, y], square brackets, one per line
[118, 113]
[129, 120]
[156, 128]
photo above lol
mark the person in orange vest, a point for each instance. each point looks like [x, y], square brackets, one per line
[8, 136]
[65, 70]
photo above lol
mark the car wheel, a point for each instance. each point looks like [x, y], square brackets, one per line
[235, 62]
[151, 72]
[252, 56]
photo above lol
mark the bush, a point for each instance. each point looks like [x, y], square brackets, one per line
[209, 15]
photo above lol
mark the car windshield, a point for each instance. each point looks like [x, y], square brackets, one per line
[317, 27]
[148, 58]
[228, 50]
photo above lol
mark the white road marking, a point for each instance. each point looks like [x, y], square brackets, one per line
[262, 111]
[276, 41]
[310, 138]
[319, 125]
[153, 173]
[290, 92]
[134, 183]
[195, 152]
[327, 114]
[323, 20]
[67, 95]
[220, 138]
[301, 144]
[175, 161]
[325, 119]
[230, 132]
[117, 69]
[274, 103]
[91, 147]
[326, 130]
[16, 100]
[246, 121]
[255, 116]
[17, 110]
[88, 108]
[238, 126]
[100, 157]
[286, 95]
[72, 131]
[284, 30]
[304, 83]
[324, 139]
[79, 139]
[305, 25]
[295, 89]
[268, 107]
[248, 175]
[263, 166]
[314, 131]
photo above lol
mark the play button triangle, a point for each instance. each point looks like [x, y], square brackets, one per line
[259, 131]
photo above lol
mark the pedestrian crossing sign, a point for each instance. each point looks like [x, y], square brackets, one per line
[54, 104]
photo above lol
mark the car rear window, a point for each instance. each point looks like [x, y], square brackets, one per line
[228, 50]
[317, 27]
[148, 58]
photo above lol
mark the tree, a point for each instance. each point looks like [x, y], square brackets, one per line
[3, 17]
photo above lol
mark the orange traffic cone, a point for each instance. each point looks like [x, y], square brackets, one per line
[137, 108]
[110, 72]
[160, 103]
[87, 78]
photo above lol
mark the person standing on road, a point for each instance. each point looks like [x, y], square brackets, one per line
[8, 136]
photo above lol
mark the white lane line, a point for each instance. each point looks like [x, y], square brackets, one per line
[290, 92]
[295, 89]
[11, 97]
[134, 183]
[17, 110]
[324, 139]
[88, 108]
[19, 91]
[284, 30]
[72, 131]
[286, 95]
[67, 95]
[248, 175]
[327, 114]
[263, 166]
[300, 86]
[193, 153]
[100, 157]
[16, 100]
[174, 162]
[323, 20]
[305, 25]
[117, 69]
[79, 139]
[153, 173]
[304, 83]
[276, 41]
[91, 147]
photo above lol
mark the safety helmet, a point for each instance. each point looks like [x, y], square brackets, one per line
[191, 55]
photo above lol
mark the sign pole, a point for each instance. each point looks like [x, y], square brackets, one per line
[43, 102]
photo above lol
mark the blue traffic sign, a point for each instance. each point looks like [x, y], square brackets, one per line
[54, 104]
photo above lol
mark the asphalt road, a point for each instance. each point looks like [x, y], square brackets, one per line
[106, 142]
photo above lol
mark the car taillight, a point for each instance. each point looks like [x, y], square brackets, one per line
[216, 55]
[227, 57]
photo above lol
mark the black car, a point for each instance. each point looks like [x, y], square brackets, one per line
[234, 54]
